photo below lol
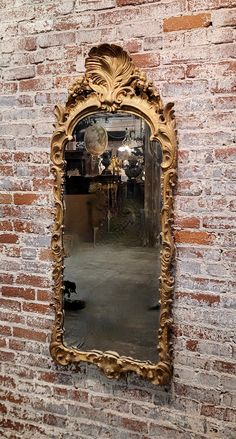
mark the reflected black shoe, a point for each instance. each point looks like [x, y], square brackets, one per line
[74, 305]
[154, 307]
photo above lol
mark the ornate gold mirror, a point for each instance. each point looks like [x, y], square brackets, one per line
[114, 160]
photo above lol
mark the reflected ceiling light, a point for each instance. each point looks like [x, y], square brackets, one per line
[129, 143]
[125, 148]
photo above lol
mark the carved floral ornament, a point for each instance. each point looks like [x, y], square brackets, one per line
[112, 83]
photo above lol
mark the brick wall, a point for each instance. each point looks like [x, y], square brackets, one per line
[186, 47]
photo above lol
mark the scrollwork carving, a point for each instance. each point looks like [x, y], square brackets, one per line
[112, 83]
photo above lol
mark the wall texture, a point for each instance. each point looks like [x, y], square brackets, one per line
[186, 47]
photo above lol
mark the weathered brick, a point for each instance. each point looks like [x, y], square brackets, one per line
[34, 84]
[32, 280]
[134, 46]
[145, 60]
[19, 129]
[29, 334]
[133, 2]
[24, 100]
[36, 308]
[23, 72]
[56, 68]
[224, 17]
[5, 198]
[186, 88]
[196, 5]
[56, 39]
[223, 68]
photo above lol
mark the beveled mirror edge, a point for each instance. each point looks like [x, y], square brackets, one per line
[116, 86]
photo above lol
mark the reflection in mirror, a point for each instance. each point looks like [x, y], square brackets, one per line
[112, 236]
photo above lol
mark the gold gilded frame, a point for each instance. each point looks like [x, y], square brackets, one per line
[112, 83]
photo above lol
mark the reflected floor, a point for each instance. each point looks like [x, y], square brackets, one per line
[119, 285]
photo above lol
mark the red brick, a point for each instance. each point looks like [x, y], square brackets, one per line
[42, 184]
[29, 334]
[16, 344]
[28, 227]
[21, 156]
[191, 345]
[7, 381]
[32, 280]
[56, 68]
[25, 198]
[10, 304]
[8, 238]
[6, 170]
[5, 198]
[198, 237]
[5, 157]
[7, 357]
[8, 87]
[225, 366]
[186, 22]
[201, 394]
[3, 408]
[36, 308]
[209, 299]
[49, 377]
[5, 330]
[45, 255]
[78, 395]
[224, 68]
[133, 46]
[219, 222]
[225, 154]
[12, 251]
[29, 43]
[72, 51]
[8, 424]
[188, 223]
[44, 296]
[25, 293]
[25, 101]
[6, 226]
[64, 81]
[3, 343]
[212, 411]
[6, 278]
[34, 84]
[145, 60]
[133, 2]
[39, 322]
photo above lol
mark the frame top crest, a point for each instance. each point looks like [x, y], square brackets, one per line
[112, 75]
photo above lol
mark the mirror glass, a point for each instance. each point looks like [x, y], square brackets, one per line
[112, 237]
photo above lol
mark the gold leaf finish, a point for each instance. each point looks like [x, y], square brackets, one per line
[112, 83]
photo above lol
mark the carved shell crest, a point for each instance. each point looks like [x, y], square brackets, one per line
[111, 74]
